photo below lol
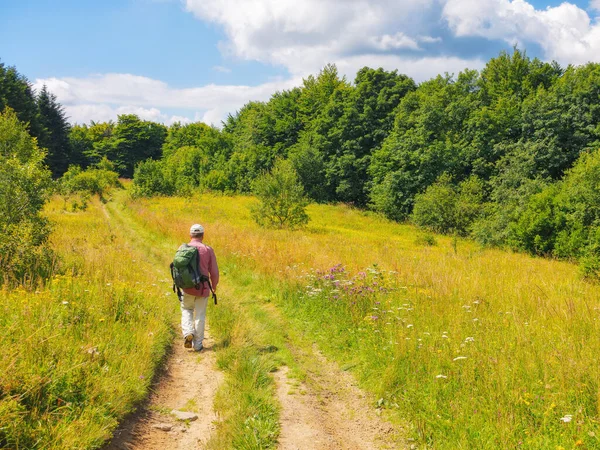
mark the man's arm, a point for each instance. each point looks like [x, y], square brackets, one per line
[213, 269]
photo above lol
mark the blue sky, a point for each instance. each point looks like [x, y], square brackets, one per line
[187, 60]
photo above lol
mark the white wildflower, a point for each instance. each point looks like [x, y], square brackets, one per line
[567, 418]
[441, 376]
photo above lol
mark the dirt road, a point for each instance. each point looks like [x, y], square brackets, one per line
[188, 384]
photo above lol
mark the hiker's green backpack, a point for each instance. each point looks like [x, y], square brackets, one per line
[185, 271]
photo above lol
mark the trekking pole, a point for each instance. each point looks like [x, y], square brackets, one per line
[214, 295]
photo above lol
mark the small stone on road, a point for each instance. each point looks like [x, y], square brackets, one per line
[162, 426]
[183, 415]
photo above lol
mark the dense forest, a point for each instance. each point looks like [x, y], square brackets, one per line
[508, 155]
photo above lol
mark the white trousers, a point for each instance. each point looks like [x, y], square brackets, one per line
[193, 317]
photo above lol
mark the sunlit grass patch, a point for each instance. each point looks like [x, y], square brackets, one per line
[78, 353]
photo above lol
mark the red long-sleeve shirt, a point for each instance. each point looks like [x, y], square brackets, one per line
[208, 266]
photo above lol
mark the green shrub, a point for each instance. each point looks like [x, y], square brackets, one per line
[427, 239]
[281, 195]
[563, 219]
[589, 267]
[96, 180]
[536, 229]
[216, 180]
[182, 169]
[25, 185]
[149, 180]
[446, 208]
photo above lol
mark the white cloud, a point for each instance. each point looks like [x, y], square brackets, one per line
[430, 39]
[396, 41]
[565, 32]
[302, 36]
[103, 97]
[419, 68]
[222, 69]
[101, 112]
[305, 35]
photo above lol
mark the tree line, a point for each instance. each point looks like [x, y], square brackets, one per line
[507, 155]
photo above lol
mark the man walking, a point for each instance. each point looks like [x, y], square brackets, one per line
[194, 301]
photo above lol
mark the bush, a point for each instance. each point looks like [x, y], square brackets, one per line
[446, 208]
[536, 229]
[149, 179]
[563, 219]
[426, 239]
[589, 267]
[25, 185]
[282, 200]
[182, 169]
[93, 181]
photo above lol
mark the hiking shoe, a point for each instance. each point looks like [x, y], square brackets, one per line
[187, 341]
[199, 348]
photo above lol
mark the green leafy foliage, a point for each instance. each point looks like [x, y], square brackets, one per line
[282, 201]
[563, 219]
[149, 180]
[136, 140]
[446, 208]
[125, 144]
[25, 185]
[97, 180]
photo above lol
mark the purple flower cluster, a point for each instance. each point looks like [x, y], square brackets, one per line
[336, 283]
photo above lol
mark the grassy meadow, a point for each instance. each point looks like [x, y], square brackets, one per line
[472, 348]
[475, 348]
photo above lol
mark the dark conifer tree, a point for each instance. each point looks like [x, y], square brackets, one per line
[16, 93]
[56, 138]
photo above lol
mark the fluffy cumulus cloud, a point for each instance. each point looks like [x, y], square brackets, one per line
[566, 32]
[421, 38]
[103, 97]
[303, 36]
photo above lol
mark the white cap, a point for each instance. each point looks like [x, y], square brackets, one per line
[197, 229]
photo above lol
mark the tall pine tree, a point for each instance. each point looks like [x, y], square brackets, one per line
[56, 138]
[16, 92]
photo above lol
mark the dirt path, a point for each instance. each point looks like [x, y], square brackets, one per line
[189, 383]
[329, 411]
